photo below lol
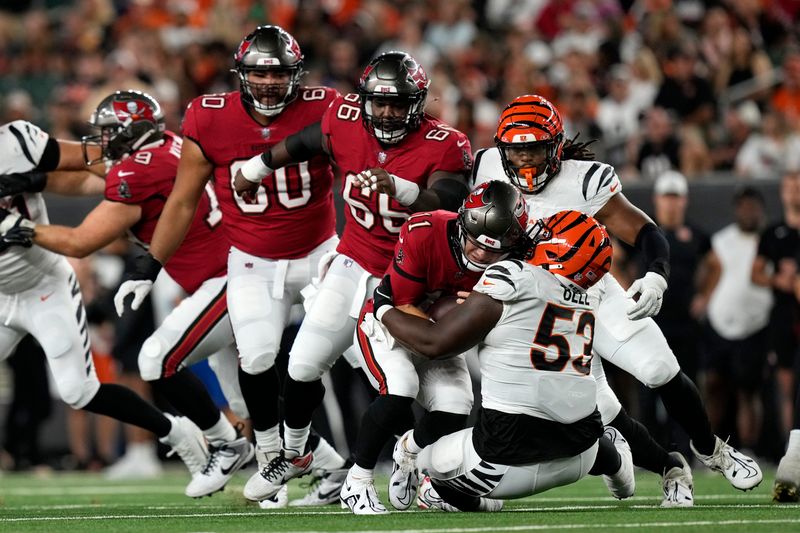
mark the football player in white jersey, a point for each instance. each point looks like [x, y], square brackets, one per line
[538, 426]
[40, 296]
[531, 152]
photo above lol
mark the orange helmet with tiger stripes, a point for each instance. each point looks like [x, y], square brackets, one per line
[574, 246]
[530, 137]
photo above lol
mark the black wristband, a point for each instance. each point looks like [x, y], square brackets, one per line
[147, 267]
[653, 245]
[306, 143]
[266, 158]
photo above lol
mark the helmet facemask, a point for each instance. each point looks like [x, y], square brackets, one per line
[392, 130]
[532, 178]
[253, 93]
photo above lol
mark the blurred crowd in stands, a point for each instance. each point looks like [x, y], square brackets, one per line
[705, 88]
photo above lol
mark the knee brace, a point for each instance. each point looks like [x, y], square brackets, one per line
[659, 372]
[77, 395]
[151, 358]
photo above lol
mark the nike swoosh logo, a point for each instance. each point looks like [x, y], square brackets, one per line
[614, 187]
[122, 173]
[46, 296]
[227, 470]
[487, 282]
[461, 143]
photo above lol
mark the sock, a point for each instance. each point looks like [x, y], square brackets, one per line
[220, 432]
[326, 458]
[436, 424]
[294, 440]
[608, 462]
[126, 406]
[190, 397]
[683, 403]
[378, 425]
[269, 440]
[359, 473]
[300, 399]
[260, 393]
[647, 453]
[410, 445]
[794, 441]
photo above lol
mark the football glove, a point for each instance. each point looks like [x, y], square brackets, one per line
[651, 289]
[15, 230]
[382, 298]
[139, 283]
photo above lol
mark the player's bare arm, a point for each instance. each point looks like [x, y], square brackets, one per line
[105, 223]
[193, 173]
[623, 219]
[72, 157]
[446, 190]
[455, 332]
[74, 183]
[295, 148]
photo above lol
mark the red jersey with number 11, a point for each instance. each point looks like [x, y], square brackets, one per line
[293, 212]
[373, 221]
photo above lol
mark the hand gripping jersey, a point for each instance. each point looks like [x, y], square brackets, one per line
[21, 147]
[427, 259]
[373, 221]
[536, 360]
[293, 212]
[584, 186]
[146, 179]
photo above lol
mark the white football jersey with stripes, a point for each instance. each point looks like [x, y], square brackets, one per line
[21, 147]
[536, 360]
[583, 186]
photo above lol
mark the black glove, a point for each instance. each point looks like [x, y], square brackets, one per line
[15, 230]
[382, 297]
[11, 184]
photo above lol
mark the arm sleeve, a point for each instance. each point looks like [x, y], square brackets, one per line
[654, 247]
[502, 281]
[50, 157]
[306, 143]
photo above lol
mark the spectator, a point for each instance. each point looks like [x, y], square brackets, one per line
[660, 149]
[786, 99]
[767, 152]
[775, 266]
[737, 128]
[618, 116]
[743, 63]
[738, 313]
[683, 92]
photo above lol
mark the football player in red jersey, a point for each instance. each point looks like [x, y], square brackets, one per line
[394, 160]
[39, 293]
[278, 236]
[143, 161]
[438, 255]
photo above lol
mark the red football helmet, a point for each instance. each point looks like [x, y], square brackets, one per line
[574, 246]
[530, 137]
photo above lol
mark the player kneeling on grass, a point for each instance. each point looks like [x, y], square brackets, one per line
[538, 426]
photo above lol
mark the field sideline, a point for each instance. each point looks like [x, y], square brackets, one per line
[86, 502]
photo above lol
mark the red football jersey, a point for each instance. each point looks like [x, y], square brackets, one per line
[373, 221]
[146, 179]
[293, 212]
[427, 259]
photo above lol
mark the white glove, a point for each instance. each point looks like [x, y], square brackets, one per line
[254, 170]
[651, 289]
[10, 220]
[140, 288]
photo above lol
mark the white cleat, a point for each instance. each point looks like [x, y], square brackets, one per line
[279, 501]
[139, 462]
[428, 498]
[787, 480]
[323, 490]
[404, 480]
[623, 483]
[740, 470]
[268, 480]
[678, 485]
[186, 439]
[223, 462]
[360, 496]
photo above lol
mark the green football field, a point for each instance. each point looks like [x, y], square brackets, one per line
[86, 502]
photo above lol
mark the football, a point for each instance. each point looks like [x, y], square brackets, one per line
[441, 307]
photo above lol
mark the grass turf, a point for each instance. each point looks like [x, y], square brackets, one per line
[87, 502]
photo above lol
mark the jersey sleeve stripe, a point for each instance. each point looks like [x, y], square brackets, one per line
[406, 275]
[502, 269]
[605, 178]
[22, 144]
[517, 263]
[476, 163]
[588, 177]
[501, 277]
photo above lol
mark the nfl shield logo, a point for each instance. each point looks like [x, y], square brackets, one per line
[381, 157]
[265, 133]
